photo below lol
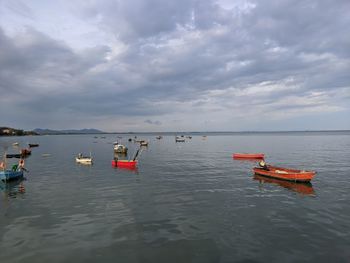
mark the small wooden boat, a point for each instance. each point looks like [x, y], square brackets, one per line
[83, 159]
[285, 173]
[8, 175]
[144, 143]
[15, 173]
[31, 145]
[26, 152]
[13, 155]
[124, 163]
[248, 156]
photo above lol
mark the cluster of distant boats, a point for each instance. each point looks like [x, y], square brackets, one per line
[120, 153]
[17, 169]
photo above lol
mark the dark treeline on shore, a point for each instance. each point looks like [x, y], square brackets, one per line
[7, 131]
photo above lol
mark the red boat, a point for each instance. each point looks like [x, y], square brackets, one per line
[285, 173]
[248, 156]
[124, 163]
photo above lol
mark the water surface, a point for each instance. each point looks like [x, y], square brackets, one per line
[186, 202]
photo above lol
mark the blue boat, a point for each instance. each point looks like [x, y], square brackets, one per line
[8, 175]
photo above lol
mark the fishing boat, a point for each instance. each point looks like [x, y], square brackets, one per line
[124, 163]
[144, 143]
[285, 173]
[179, 139]
[31, 145]
[83, 159]
[13, 155]
[248, 156]
[22, 154]
[26, 152]
[119, 148]
[15, 173]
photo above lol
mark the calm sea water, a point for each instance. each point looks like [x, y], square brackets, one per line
[186, 202]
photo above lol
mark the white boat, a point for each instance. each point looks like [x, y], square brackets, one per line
[119, 148]
[15, 144]
[83, 159]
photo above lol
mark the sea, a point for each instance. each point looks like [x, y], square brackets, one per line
[186, 201]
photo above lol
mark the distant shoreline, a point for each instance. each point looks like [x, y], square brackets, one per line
[195, 133]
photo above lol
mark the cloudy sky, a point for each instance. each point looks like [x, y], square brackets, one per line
[175, 65]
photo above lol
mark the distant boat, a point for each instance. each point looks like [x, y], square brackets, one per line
[26, 152]
[83, 159]
[144, 143]
[159, 137]
[130, 140]
[31, 145]
[22, 154]
[178, 139]
[15, 144]
[189, 137]
[285, 173]
[248, 156]
[13, 155]
[119, 148]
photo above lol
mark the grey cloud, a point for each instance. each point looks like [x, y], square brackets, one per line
[176, 54]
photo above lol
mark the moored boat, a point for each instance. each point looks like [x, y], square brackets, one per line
[248, 156]
[13, 155]
[285, 173]
[179, 139]
[83, 159]
[8, 175]
[124, 163]
[119, 148]
[26, 152]
[15, 173]
[144, 143]
[31, 145]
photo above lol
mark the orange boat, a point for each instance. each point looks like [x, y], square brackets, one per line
[301, 188]
[285, 173]
[124, 163]
[248, 156]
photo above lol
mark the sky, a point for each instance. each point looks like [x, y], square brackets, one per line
[166, 65]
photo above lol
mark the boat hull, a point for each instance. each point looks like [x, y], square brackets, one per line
[248, 156]
[8, 175]
[124, 164]
[285, 174]
[83, 160]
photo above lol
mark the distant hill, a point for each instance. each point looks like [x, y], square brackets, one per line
[82, 131]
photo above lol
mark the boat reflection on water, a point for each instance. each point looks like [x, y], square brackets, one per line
[301, 188]
[12, 188]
